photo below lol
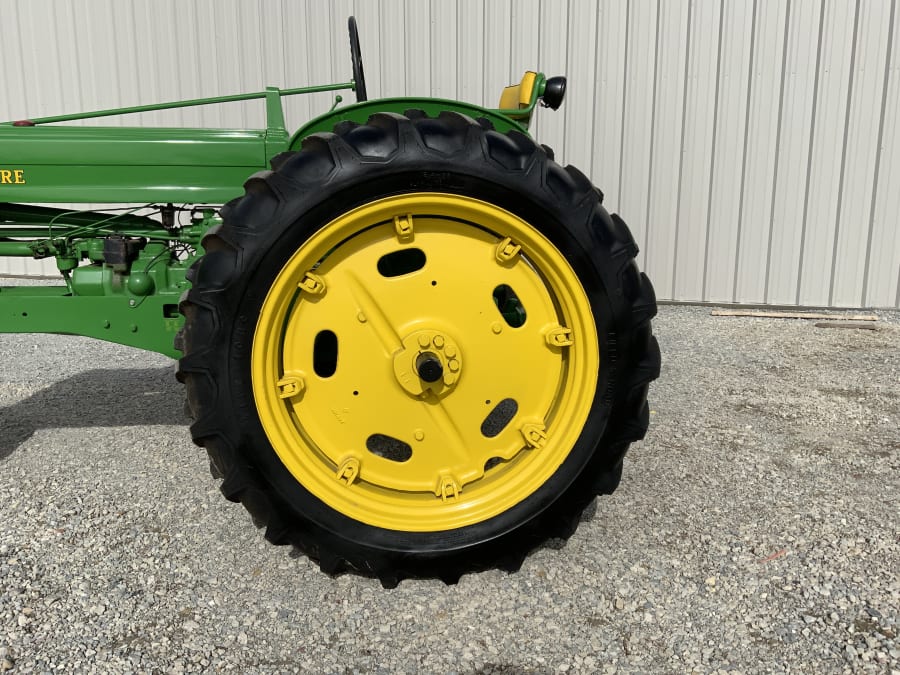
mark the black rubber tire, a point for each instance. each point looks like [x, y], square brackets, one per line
[394, 154]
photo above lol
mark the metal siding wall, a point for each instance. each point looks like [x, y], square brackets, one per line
[760, 150]
[666, 143]
[864, 107]
[696, 149]
[827, 131]
[638, 112]
[883, 278]
[728, 149]
[789, 179]
[578, 110]
[752, 145]
[604, 139]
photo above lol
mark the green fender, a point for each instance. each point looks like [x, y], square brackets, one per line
[360, 113]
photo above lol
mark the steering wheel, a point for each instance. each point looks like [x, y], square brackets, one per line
[359, 77]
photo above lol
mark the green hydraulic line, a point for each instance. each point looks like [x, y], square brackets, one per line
[95, 226]
[20, 231]
[187, 104]
[26, 213]
[16, 249]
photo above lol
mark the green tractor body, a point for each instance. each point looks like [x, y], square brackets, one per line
[44, 162]
[184, 199]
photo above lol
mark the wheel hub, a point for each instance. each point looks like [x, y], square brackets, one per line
[429, 363]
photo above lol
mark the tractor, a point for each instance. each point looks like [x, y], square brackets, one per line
[412, 344]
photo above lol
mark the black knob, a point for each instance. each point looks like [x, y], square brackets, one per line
[429, 367]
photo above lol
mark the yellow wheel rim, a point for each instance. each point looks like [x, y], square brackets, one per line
[438, 411]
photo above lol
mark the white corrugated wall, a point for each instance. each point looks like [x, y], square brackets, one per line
[752, 145]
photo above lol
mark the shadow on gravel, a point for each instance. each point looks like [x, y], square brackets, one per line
[96, 398]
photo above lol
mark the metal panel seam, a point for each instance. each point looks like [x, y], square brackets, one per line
[712, 155]
[687, 61]
[812, 134]
[737, 241]
[878, 153]
[624, 100]
[840, 199]
[784, 58]
[652, 130]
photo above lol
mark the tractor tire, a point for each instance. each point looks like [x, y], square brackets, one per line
[418, 347]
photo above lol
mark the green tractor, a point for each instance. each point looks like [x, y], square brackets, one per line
[413, 345]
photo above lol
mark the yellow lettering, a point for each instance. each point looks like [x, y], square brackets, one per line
[12, 176]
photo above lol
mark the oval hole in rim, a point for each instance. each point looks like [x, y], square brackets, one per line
[388, 447]
[499, 417]
[404, 261]
[325, 353]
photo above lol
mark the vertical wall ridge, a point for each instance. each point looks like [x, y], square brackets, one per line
[737, 250]
[779, 125]
[809, 159]
[841, 179]
[712, 154]
[878, 154]
[624, 99]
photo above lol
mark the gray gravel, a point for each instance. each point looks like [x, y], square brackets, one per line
[755, 530]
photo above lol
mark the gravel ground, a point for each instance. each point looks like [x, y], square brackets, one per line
[755, 530]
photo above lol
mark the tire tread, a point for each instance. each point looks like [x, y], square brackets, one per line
[330, 159]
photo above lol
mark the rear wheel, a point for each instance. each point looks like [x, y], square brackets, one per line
[418, 347]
